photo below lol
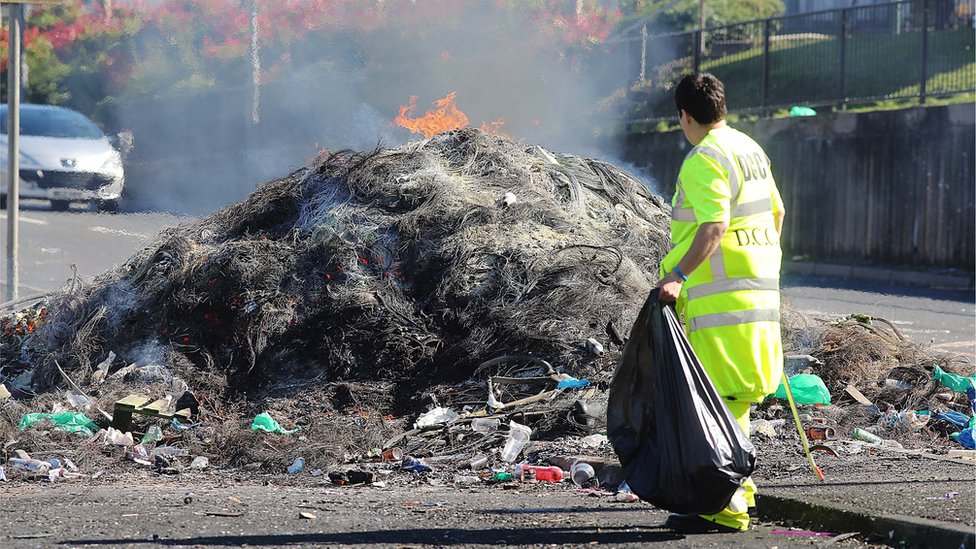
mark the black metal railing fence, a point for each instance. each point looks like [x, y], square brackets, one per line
[895, 50]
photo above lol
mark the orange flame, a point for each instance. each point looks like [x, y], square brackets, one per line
[494, 127]
[445, 116]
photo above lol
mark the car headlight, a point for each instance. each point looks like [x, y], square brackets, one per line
[112, 163]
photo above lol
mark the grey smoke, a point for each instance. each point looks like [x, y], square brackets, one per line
[196, 153]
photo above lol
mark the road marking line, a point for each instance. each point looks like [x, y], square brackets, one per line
[120, 232]
[28, 220]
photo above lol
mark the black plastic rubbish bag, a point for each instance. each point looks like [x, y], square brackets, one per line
[679, 444]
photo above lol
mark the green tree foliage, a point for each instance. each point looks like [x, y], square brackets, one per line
[74, 56]
[45, 74]
[84, 54]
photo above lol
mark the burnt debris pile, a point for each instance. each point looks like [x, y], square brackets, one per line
[440, 298]
[413, 265]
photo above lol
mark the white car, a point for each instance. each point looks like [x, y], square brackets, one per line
[64, 158]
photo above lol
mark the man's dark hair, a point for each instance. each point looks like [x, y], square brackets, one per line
[702, 96]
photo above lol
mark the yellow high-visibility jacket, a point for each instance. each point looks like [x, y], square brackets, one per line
[730, 303]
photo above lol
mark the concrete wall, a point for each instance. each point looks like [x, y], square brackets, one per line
[889, 187]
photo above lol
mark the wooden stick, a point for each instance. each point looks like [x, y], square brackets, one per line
[77, 389]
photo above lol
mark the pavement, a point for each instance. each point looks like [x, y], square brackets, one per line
[895, 498]
[885, 497]
[946, 279]
[136, 509]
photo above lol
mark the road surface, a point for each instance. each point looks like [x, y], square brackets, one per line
[942, 319]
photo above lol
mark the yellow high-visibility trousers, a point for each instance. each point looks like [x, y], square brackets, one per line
[736, 515]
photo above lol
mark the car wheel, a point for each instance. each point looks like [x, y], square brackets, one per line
[60, 205]
[111, 206]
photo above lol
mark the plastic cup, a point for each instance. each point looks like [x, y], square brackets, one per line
[518, 437]
[477, 462]
[582, 473]
[484, 424]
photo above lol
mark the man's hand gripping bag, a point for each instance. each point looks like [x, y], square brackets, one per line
[679, 444]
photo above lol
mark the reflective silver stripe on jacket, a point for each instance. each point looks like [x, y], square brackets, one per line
[678, 213]
[716, 320]
[751, 208]
[732, 285]
[726, 164]
[679, 201]
[683, 214]
[717, 263]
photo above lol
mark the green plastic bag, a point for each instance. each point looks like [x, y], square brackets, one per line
[952, 381]
[807, 389]
[264, 422]
[71, 422]
[802, 111]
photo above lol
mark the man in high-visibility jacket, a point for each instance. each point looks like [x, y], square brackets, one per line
[723, 268]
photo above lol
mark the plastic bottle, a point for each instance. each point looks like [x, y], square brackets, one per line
[153, 434]
[542, 473]
[898, 384]
[485, 424]
[410, 463]
[582, 473]
[296, 466]
[169, 451]
[502, 477]
[624, 495]
[139, 454]
[33, 465]
[866, 436]
[466, 480]
[594, 441]
[477, 462]
[594, 347]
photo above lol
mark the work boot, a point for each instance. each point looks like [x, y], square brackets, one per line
[694, 524]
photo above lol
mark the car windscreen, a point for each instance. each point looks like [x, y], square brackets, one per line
[53, 123]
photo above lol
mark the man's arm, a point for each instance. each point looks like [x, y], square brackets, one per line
[708, 237]
[778, 217]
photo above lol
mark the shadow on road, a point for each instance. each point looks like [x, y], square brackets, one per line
[438, 536]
